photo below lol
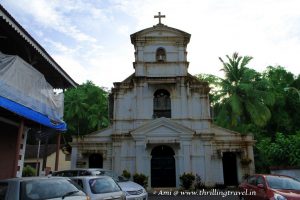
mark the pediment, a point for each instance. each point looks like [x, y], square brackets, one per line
[161, 33]
[160, 30]
[162, 127]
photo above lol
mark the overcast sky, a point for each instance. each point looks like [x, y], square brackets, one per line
[90, 39]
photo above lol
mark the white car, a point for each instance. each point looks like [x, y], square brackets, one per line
[100, 187]
[36, 188]
[132, 190]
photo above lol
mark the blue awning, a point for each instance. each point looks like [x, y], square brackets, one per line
[31, 114]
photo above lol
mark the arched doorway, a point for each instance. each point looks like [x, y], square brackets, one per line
[163, 167]
[95, 161]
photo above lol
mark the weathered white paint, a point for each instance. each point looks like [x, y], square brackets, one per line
[198, 145]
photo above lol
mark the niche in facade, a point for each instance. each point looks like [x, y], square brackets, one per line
[160, 55]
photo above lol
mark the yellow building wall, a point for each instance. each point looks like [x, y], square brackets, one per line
[62, 164]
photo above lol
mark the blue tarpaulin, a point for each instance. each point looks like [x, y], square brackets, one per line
[31, 114]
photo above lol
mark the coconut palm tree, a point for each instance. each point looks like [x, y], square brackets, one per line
[244, 99]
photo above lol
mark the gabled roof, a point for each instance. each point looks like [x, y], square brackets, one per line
[223, 134]
[15, 40]
[160, 28]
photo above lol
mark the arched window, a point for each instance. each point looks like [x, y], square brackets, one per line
[161, 104]
[160, 55]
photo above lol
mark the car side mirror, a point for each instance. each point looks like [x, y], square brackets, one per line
[261, 186]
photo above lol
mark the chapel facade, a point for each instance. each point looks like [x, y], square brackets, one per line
[161, 121]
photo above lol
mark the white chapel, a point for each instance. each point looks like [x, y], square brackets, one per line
[161, 121]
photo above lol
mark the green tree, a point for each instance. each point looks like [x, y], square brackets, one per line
[276, 149]
[293, 104]
[28, 171]
[247, 101]
[284, 150]
[244, 96]
[86, 109]
[214, 84]
[285, 101]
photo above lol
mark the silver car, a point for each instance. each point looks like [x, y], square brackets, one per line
[132, 190]
[100, 187]
[37, 188]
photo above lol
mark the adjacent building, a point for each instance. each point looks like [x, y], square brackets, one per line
[28, 77]
[36, 155]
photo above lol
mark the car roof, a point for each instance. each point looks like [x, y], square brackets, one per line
[88, 177]
[35, 178]
[83, 169]
[275, 175]
[92, 169]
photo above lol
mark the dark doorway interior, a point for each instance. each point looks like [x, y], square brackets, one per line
[163, 167]
[8, 141]
[230, 168]
[95, 161]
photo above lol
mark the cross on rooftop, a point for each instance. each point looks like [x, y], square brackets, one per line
[159, 17]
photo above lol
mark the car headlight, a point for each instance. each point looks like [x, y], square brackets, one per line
[144, 191]
[279, 197]
[126, 193]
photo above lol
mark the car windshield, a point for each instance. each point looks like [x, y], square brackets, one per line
[72, 173]
[284, 183]
[113, 175]
[103, 185]
[48, 189]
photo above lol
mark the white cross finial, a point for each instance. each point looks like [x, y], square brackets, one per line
[159, 17]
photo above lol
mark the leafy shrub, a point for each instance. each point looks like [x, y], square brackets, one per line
[141, 179]
[284, 149]
[28, 171]
[198, 183]
[126, 174]
[187, 180]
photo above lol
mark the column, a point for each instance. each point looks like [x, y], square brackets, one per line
[74, 157]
